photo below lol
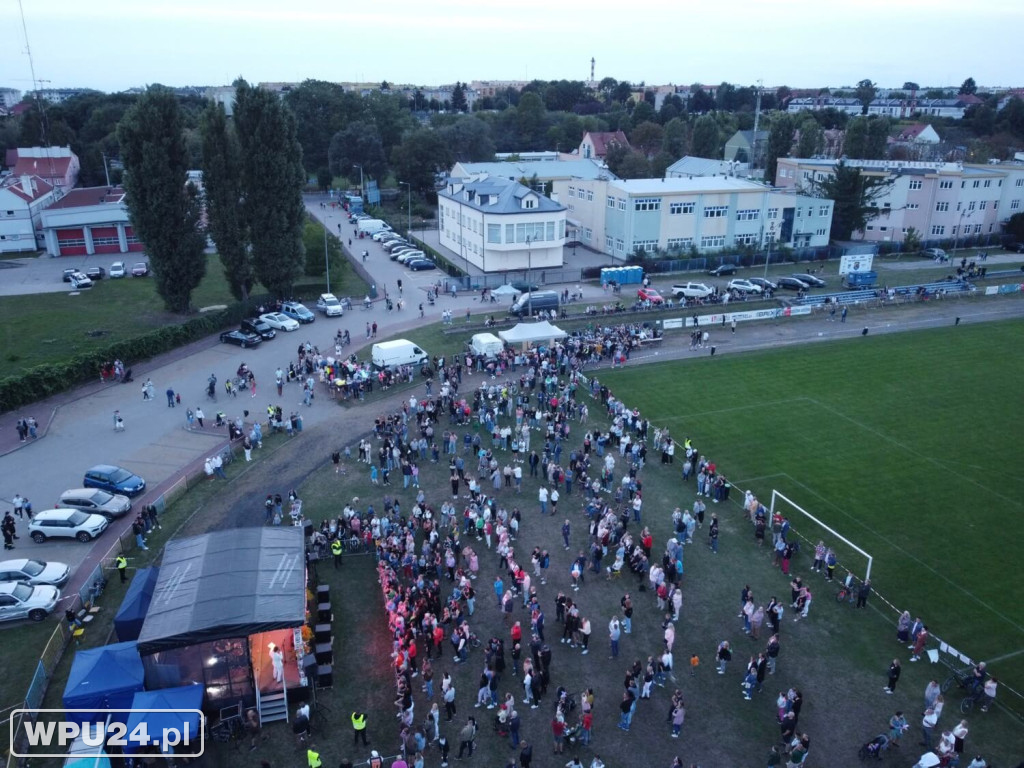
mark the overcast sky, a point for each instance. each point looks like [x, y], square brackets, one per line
[112, 45]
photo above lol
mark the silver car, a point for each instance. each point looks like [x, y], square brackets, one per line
[110, 505]
[35, 572]
[20, 601]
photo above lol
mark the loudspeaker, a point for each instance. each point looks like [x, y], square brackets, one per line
[307, 528]
[322, 632]
[308, 663]
[323, 593]
[324, 653]
[323, 613]
[324, 676]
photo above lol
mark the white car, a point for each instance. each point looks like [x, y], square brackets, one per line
[405, 256]
[20, 601]
[280, 322]
[384, 234]
[35, 572]
[691, 291]
[80, 280]
[743, 286]
[66, 524]
[118, 269]
[328, 304]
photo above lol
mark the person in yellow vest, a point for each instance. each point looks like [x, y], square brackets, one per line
[122, 567]
[313, 757]
[359, 728]
[336, 551]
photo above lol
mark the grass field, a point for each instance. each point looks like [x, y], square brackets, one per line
[907, 444]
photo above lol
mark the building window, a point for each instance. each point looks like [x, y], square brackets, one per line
[983, 204]
[915, 184]
[713, 241]
[745, 239]
[590, 195]
[871, 228]
[608, 243]
[988, 182]
[976, 184]
[945, 184]
[588, 234]
[808, 175]
[678, 243]
[529, 203]
[581, 193]
[823, 210]
[1019, 182]
[1014, 205]
[679, 208]
[494, 233]
[940, 207]
[611, 202]
[716, 212]
[622, 204]
[977, 229]
[748, 214]
[971, 205]
[647, 204]
[938, 229]
[822, 232]
[572, 191]
[773, 213]
[648, 246]
[549, 231]
[912, 206]
[620, 245]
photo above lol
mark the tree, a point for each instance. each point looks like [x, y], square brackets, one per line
[865, 94]
[634, 165]
[671, 108]
[647, 138]
[531, 121]
[313, 243]
[468, 139]
[419, 157]
[1014, 227]
[1011, 117]
[321, 109]
[706, 141]
[459, 103]
[272, 182]
[877, 139]
[701, 101]
[780, 141]
[855, 143]
[164, 208]
[912, 240]
[644, 113]
[676, 138]
[812, 138]
[660, 163]
[969, 87]
[222, 181]
[418, 100]
[911, 86]
[384, 85]
[853, 195]
[359, 144]
[389, 113]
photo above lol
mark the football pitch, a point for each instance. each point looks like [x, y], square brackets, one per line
[908, 444]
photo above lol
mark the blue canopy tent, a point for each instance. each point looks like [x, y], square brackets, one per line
[103, 678]
[131, 614]
[186, 697]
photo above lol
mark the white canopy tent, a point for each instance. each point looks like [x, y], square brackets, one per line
[527, 333]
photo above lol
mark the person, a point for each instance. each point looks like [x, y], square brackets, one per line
[199, 415]
[467, 737]
[359, 728]
[336, 551]
[277, 661]
[252, 727]
[894, 676]
[989, 693]
[919, 643]
[170, 397]
[863, 592]
[313, 757]
[928, 727]
[118, 422]
[121, 563]
[897, 727]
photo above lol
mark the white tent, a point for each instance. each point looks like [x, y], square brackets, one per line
[525, 333]
[505, 290]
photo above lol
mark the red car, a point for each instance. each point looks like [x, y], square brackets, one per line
[649, 294]
[141, 269]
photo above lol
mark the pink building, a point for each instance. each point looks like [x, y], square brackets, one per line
[938, 200]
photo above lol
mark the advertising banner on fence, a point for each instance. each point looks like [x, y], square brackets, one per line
[702, 321]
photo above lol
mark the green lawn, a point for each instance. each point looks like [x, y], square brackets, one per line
[906, 444]
[40, 328]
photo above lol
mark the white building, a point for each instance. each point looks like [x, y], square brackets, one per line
[22, 201]
[498, 225]
[709, 213]
[90, 220]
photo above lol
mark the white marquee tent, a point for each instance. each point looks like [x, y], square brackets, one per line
[526, 333]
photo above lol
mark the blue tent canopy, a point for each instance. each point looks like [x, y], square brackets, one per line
[103, 678]
[128, 622]
[183, 698]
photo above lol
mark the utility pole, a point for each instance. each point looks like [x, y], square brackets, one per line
[757, 119]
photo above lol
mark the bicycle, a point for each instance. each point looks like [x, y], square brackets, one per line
[847, 591]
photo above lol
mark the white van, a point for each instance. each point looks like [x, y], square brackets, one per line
[486, 345]
[391, 354]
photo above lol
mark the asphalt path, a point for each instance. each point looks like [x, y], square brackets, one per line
[77, 427]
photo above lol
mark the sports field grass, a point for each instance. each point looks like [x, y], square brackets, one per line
[909, 445]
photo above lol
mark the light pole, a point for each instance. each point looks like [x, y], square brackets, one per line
[360, 179]
[327, 261]
[768, 255]
[408, 219]
[529, 270]
[960, 226]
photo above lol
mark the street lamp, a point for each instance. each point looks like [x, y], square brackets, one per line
[327, 261]
[408, 220]
[360, 179]
[960, 226]
[768, 255]
[529, 270]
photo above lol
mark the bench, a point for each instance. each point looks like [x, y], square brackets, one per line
[651, 339]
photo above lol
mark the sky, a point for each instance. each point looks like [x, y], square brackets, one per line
[112, 45]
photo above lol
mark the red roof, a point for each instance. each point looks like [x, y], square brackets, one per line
[911, 132]
[970, 98]
[86, 196]
[602, 140]
[47, 167]
[40, 187]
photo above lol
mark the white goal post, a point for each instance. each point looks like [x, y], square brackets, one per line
[801, 510]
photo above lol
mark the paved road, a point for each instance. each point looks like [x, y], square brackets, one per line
[78, 429]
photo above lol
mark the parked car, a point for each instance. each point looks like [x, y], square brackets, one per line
[792, 284]
[649, 294]
[66, 524]
[743, 286]
[241, 338]
[691, 290]
[112, 479]
[766, 285]
[259, 327]
[97, 501]
[524, 287]
[95, 273]
[297, 311]
[811, 280]
[35, 572]
[405, 256]
[328, 304]
[395, 254]
[117, 269]
[20, 601]
[1015, 247]
[140, 269]
[68, 273]
[420, 265]
[935, 253]
[723, 270]
[280, 322]
[396, 244]
[382, 235]
[79, 280]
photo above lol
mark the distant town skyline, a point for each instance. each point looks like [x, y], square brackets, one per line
[114, 45]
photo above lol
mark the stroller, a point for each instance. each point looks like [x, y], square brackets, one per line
[875, 748]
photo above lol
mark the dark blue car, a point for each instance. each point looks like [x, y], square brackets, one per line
[114, 480]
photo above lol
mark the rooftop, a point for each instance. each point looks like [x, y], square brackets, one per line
[698, 184]
[494, 194]
[543, 169]
[84, 196]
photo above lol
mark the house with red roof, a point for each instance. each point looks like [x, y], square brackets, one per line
[595, 144]
[57, 166]
[22, 202]
[90, 220]
[918, 133]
